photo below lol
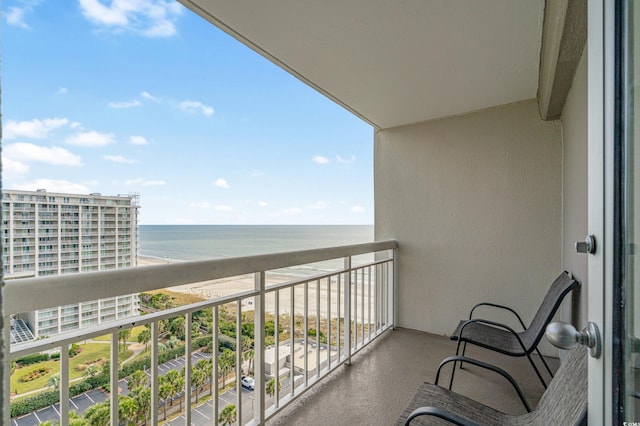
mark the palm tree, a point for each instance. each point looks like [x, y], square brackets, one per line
[127, 409]
[137, 379]
[177, 382]
[197, 380]
[206, 365]
[143, 399]
[228, 415]
[145, 337]
[165, 390]
[54, 382]
[271, 387]
[248, 356]
[98, 414]
[226, 362]
[123, 335]
[76, 419]
[172, 342]
[92, 371]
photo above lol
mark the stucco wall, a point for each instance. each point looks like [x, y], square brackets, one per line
[575, 201]
[475, 203]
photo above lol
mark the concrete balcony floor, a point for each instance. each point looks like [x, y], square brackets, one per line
[383, 377]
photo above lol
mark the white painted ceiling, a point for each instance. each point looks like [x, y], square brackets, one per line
[395, 62]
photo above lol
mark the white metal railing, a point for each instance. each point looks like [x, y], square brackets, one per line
[318, 323]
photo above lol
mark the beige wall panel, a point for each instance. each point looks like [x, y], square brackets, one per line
[574, 195]
[475, 203]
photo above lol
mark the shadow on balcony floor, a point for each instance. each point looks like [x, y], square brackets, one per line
[384, 376]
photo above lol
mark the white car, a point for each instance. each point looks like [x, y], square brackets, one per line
[248, 382]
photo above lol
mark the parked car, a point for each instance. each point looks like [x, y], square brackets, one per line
[248, 382]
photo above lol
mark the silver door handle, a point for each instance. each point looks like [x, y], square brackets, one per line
[587, 246]
[565, 336]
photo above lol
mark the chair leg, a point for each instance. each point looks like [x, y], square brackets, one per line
[545, 363]
[453, 370]
[464, 350]
[536, 370]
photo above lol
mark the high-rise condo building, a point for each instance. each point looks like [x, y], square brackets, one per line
[45, 233]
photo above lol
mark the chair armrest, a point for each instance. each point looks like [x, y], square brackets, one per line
[494, 305]
[441, 414]
[487, 367]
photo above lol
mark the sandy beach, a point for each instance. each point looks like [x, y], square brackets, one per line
[229, 286]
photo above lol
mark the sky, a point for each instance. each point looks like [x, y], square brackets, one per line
[144, 96]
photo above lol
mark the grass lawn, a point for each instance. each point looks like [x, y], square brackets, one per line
[90, 352]
[133, 338]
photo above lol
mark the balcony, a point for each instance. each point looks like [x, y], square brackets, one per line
[336, 315]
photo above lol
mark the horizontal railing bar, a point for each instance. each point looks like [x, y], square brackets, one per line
[25, 295]
[130, 322]
[302, 280]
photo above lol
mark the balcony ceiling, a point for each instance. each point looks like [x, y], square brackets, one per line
[395, 62]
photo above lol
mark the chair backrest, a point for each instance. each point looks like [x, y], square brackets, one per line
[565, 400]
[560, 287]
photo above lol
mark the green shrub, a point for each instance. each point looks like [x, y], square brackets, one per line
[33, 358]
[27, 405]
[226, 342]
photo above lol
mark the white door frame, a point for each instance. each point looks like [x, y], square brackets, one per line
[601, 54]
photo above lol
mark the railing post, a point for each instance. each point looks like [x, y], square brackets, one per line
[154, 373]
[292, 325]
[276, 328]
[113, 383]
[239, 361]
[258, 352]
[64, 385]
[394, 287]
[214, 356]
[187, 369]
[305, 333]
[6, 370]
[347, 309]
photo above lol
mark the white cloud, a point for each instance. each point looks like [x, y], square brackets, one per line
[34, 129]
[223, 208]
[292, 211]
[149, 18]
[148, 96]
[138, 140]
[125, 105]
[119, 159]
[320, 159]
[263, 203]
[91, 139]
[221, 183]
[54, 185]
[200, 205]
[11, 167]
[318, 205]
[358, 209]
[15, 17]
[193, 107]
[28, 152]
[346, 160]
[144, 182]
[63, 91]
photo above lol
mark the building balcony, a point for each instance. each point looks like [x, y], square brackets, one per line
[322, 321]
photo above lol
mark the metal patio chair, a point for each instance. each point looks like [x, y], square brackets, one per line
[563, 403]
[504, 339]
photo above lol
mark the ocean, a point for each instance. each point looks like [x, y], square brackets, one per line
[202, 242]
